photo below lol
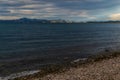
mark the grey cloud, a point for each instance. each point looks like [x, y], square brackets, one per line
[66, 9]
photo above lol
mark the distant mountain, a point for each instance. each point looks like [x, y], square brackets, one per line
[103, 21]
[27, 20]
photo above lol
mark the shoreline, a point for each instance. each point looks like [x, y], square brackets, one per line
[20, 74]
[32, 72]
[106, 69]
[58, 69]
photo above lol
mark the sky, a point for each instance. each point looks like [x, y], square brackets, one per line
[74, 10]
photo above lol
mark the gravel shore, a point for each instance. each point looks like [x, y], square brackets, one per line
[108, 69]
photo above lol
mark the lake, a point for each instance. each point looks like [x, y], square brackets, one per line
[30, 46]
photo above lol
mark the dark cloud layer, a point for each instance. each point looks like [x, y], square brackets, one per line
[80, 10]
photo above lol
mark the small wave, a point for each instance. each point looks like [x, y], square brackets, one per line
[13, 76]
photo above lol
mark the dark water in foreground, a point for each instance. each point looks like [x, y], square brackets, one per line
[29, 46]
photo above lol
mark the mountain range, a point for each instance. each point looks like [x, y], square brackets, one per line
[28, 20]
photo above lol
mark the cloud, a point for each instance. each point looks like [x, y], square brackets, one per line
[36, 6]
[61, 9]
[4, 11]
[115, 16]
[9, 17]
[23, 11]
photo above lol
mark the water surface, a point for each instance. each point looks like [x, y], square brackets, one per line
[33, 45]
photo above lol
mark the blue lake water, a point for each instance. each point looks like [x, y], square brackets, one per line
[54, 43]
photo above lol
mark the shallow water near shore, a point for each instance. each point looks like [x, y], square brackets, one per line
[32, 46]
[16, 75]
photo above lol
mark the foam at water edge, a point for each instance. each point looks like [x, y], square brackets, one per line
[25, 73]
